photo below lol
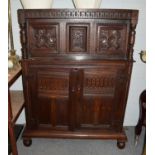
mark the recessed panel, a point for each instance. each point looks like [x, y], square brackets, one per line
[97, 111]
[112, 39]
[100, 100]
[43, 38]
[53, 83]
[50, 96]
[99, 82]
[77, 38]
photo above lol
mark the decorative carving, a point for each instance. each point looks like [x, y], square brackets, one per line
[78, 13]
[132, 38]
[53, 84]
[78, 39]
[112, 39]
[99, 82]
[113, 16]
[45, 38]
[109, 40]
[23, 40]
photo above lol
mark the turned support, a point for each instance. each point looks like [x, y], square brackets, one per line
[120, 144]
[27, 141]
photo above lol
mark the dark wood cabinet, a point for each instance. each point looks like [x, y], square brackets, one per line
[76, 71]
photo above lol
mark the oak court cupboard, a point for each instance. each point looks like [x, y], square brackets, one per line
[76, 66]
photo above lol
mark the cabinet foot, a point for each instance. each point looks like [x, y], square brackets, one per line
[27, 142]
[120, 144]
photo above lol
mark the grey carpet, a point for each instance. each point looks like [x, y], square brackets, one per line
[81, 147]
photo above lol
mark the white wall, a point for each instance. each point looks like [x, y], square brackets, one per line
[138, 75]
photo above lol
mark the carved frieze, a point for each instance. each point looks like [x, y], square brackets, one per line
[78, 13]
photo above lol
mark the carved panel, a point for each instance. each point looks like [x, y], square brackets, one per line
[55, 83]
[111, 40]
[99, 83]
[78, 38]
[52, 84]
[43, 38]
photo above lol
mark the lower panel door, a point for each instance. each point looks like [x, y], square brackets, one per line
[47, 105]
[101, 105]
[76, 98]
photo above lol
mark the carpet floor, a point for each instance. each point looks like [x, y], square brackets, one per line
[41, 146]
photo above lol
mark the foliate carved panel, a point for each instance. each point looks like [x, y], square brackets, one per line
[78, 38]
[43, 38]
[111, 39]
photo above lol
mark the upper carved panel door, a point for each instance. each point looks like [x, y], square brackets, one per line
[43, 38]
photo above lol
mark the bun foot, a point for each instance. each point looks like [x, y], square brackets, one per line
[27, 142]
[120, 144]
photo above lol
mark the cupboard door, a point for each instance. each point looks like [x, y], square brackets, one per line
[101, 108]
[48, 90]
[73, 98]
